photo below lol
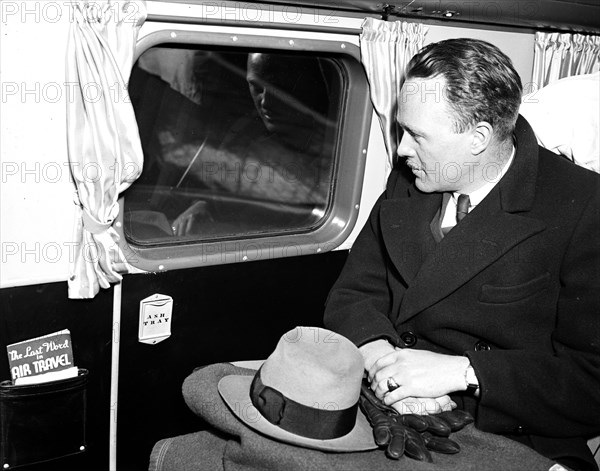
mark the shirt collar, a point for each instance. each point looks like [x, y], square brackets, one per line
[477, 196]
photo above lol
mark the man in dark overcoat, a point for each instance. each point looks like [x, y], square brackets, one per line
[476, 280]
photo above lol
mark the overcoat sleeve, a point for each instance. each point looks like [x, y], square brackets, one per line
[359, 303]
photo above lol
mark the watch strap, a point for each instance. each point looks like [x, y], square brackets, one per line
[471, 381]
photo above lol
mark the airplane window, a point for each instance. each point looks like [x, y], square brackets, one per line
[236, 143]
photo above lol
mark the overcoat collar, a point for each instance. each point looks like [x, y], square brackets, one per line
[433, 270]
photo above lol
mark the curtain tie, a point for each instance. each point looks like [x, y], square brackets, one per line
[91, 225]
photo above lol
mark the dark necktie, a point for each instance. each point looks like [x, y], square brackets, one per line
[462, 207]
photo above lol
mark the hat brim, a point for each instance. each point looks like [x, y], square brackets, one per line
[235, 391]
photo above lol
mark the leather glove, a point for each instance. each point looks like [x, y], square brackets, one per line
[410, 434]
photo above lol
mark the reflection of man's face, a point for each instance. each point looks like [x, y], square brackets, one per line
[282, 93]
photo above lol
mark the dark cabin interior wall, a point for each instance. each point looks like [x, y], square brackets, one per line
[32, 311]
[220, 313]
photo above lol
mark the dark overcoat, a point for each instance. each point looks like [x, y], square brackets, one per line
[515, 287]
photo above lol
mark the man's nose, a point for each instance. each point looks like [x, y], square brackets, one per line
[268, 97]
[405, 148]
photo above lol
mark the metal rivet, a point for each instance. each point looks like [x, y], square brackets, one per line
[319, 249]
[161, 267]
[82, 447]
[173, 35]
[6, 466]
[234, 38]
[118, 224]
[343, 46]
[357, 206]
[364, 151]
[245, 258]
[291, 42]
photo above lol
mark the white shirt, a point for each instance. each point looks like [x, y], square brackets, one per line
[475, 197]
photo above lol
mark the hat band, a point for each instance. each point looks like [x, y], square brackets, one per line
[309, 422]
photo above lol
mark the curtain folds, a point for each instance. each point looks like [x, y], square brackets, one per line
[386, 48]
[559, 55]
[105, 153]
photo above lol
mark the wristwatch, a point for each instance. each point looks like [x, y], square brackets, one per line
[471, 380]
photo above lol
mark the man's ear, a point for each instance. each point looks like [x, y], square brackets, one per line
[482, 137]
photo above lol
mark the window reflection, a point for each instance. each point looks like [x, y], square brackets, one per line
[235, 143]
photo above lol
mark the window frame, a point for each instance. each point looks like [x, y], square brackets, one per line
[350, 158]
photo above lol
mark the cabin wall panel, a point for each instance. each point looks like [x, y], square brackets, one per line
[36, 190]
[519, 46]
[220, 313]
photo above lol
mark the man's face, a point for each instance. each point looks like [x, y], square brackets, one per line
[280, 94]
[439, 157]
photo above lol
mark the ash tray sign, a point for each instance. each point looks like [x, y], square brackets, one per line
[155, 318]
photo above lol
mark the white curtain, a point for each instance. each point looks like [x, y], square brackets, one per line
[559, 55]
[103, 142]
[386, 48]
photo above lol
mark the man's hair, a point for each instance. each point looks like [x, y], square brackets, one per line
[481, 82]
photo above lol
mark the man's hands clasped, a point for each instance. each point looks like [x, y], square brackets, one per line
[420, 373]
[414, 435]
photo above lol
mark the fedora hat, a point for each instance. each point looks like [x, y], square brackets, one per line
[306, 393]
